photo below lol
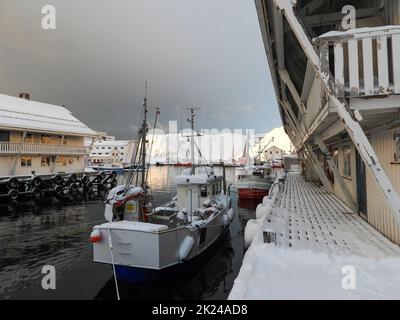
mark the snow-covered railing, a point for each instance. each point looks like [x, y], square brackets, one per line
[366, 61]
[10, 148]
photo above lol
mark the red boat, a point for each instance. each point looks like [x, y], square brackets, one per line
[253, 188]
[185, 164]
[250, 193]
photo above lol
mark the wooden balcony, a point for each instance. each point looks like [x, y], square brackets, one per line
[361, 62]
[8, 148]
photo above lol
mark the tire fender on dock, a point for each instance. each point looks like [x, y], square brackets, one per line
[250, 231]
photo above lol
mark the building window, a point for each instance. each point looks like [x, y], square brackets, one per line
[28, 138]
[62, 161]
[335, 155]
[347, 162]
[45, 139]
[397, 146]
[4, 136]
[62, 140]
[45, 162]
[26, 162]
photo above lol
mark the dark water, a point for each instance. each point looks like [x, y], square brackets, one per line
[61, 238]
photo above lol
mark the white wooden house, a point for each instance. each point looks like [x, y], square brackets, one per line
[41, 138]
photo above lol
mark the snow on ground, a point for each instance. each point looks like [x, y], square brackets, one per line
[280, 273]
[320, 246]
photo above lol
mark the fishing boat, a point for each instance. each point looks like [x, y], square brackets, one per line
[146, 244]
[117, 170]
[254, 187]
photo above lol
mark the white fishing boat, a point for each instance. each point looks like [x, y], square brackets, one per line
[146, 244]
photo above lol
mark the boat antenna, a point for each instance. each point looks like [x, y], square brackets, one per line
[192, 121]
[144, 133]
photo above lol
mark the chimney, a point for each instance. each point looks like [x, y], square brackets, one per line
[25, 95]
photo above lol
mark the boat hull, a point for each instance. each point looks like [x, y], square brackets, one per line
[164, 252]
[252, 194]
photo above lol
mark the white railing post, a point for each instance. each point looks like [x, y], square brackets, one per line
[383, 64]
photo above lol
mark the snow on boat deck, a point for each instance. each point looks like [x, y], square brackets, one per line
[318, 240]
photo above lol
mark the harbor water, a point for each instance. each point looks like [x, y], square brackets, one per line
[60, 238]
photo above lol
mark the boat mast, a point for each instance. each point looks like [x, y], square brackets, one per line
[191, 120]
[144, 132]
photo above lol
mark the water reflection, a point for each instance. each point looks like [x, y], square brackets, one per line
[201, 279]
[60, 238]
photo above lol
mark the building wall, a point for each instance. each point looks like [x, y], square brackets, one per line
[274, 153]
[75, 141]
[378, 212]
[72, 163]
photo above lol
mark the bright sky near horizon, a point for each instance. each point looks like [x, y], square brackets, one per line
[205, 53]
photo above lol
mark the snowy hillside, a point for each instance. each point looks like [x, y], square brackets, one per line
[214, 147]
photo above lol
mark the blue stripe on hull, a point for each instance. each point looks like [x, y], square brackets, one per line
[134, 275]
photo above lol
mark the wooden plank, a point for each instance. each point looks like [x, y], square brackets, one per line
[324, 66]
[396, 62]
[383, 65]
[339, 69]
[368, 66]
[353, 68]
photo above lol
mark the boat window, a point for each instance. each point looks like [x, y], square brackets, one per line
[203, 191]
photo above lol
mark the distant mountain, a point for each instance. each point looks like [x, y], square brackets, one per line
[281, 140]
[213, 147]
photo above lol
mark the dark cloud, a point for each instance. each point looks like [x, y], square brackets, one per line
[206, 53]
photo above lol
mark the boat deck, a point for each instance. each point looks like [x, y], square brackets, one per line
[317, 239]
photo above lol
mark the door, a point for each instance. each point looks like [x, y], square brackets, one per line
[361, 185]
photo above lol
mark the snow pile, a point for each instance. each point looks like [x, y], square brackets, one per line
[133, 226]
[273, 273]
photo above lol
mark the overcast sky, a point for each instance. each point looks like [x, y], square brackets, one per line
[206, 53]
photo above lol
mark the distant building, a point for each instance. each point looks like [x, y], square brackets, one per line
[39, 137]
[274, 153]
[111, 153]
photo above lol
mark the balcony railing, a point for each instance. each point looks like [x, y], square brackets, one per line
[9, 148]
[361, 62]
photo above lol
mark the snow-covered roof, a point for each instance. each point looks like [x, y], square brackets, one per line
[133, 226]
[112, 143]
[22, 114]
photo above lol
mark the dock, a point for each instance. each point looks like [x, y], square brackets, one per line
[319, 245]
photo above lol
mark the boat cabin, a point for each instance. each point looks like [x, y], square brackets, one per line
[197, 191]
